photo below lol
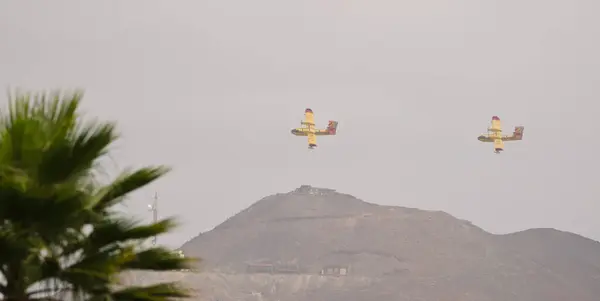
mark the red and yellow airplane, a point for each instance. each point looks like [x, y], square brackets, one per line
[494, 134]
[308, 129]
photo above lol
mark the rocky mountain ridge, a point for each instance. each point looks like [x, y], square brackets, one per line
[318, 244]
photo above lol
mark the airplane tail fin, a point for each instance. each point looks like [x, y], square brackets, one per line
[332, 127]
[518, 133]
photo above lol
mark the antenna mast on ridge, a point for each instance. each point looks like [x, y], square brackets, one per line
[154, 208]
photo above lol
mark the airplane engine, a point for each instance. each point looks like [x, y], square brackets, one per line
[498, 145]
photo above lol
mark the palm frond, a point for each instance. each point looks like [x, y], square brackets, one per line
[121, 231]
[64, 161]
[157, 292]
[50, 199]
[158, 259]
[127, 183]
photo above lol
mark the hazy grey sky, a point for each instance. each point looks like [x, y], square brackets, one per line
[212, 88]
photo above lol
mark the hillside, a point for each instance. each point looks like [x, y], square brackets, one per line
[317, 244]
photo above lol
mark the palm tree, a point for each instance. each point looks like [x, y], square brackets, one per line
[59, 229]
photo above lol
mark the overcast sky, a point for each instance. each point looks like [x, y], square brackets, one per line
[212, 88]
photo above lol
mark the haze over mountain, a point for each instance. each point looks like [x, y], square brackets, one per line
[212, 89]
[318, 244]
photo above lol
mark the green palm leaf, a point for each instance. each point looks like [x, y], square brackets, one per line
[58, 228]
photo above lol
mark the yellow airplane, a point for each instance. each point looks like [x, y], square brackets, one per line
[494, 134]
[308, 129]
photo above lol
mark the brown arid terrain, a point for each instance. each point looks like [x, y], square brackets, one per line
[320, 245]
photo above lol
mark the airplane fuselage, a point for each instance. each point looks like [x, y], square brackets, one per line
[303, 131]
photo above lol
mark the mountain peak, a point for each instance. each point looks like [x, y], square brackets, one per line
[314, 231]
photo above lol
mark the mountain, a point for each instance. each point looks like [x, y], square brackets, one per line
[318, 244]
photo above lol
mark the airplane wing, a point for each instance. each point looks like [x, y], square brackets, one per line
[308, 124]
[498, 145]
[517, 134]
[309, 117]
[496, 125]
[300, 132]
[312, 140]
